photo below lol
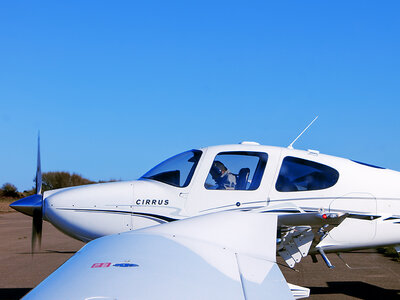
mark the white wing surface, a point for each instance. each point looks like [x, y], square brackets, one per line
[227, 255]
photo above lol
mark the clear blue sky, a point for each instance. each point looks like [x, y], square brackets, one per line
[117, 86]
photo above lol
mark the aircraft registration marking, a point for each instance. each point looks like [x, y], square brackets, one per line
[101, 265]
[108, 264]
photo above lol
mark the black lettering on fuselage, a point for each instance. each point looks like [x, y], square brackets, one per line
[157, 202]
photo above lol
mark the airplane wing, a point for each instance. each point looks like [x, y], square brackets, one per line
[225, 255]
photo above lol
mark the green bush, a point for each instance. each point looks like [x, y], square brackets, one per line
[9, 190]
[56, 180]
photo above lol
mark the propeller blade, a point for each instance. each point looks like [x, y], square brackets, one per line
[37, 218]
[38, 170]
[33, 205]
[37, 223]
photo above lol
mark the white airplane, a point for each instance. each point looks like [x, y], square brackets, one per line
[245, 176]
[224, 255]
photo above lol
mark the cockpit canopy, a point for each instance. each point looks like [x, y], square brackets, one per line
[243, 170]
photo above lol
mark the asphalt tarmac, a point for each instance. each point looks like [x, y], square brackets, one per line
[372, 275]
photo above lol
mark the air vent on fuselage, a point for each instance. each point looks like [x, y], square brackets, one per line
[249, 143]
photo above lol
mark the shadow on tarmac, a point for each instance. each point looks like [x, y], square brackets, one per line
[13, 294]
[358, 289]
[355, 289]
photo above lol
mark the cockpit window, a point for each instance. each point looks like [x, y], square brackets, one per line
[177, 170]
[298, 174]
[236, 171]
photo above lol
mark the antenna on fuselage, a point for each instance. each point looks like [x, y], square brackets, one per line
[305, 129]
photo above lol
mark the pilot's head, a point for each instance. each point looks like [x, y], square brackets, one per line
[217, 169]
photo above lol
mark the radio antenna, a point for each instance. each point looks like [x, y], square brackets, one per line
[305, 129]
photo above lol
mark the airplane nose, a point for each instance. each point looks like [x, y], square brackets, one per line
[28, 205]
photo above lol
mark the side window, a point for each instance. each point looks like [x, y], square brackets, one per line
[298, 174]
[236, 171]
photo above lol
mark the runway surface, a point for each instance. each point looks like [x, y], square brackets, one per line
[373, 276]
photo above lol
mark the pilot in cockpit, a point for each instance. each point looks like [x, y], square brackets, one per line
[223, 178]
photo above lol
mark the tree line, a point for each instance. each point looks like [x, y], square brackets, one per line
[50, 181]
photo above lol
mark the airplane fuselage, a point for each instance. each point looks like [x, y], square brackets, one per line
[260, 176]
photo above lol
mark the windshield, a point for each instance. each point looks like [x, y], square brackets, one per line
[177, 170]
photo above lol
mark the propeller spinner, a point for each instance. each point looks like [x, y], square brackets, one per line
[33, 205]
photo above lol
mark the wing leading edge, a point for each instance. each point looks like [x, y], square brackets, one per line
[227, 255]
